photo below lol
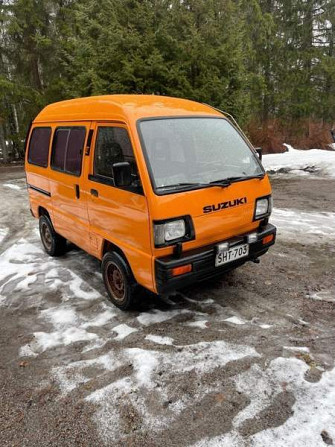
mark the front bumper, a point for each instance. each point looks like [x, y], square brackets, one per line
[203, 261]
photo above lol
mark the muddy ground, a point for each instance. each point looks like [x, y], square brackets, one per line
[243, 361]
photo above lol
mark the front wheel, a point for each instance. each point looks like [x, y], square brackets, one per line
[53, 243]
[119, 281]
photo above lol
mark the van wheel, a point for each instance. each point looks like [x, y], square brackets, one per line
[119, 281]
[54, 244]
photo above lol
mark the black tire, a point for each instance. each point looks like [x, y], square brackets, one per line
[54, 244]
[119, 281]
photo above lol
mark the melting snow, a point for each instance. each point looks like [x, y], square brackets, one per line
[3, 234]
[235, 320]
[150, 369]
[265, 326]
[312, 226]
[312, 412]
[327, 296]
[47, 340]
[160, 340]
[303, 349]
[123, 330]
[158, 316]
[11, 186]
[202, 324]
[301, 161]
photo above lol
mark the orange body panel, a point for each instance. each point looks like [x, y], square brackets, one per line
[122, 217]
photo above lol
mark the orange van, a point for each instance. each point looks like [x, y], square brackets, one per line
[164, 191]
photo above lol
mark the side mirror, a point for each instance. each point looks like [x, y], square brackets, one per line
[122, 174]
[259, 151]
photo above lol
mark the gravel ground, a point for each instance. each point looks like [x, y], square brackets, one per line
[243, 361]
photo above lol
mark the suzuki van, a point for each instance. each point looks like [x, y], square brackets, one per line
[164, 191]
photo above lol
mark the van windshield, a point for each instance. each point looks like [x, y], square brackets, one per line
[187, 153]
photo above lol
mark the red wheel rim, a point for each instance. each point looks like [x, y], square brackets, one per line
[46, 236]
[115, 281]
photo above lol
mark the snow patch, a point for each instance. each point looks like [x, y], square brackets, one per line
[3, 234]
[123, 330]
[26, 351]
[160, 340]
[312, 412]
[201, 324]
[327, 296]
[309, 227]
[101, 319]
[151, 371]
[158, 316]
[301, 162]
[302, 349]
[45, 340]
[11, 186]
[235, 320]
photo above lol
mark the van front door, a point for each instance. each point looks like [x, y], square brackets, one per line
[69, 200]
[118, 215]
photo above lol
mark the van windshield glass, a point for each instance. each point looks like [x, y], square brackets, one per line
[190, 152]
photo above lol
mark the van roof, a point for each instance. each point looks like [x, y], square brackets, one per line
[121, 107]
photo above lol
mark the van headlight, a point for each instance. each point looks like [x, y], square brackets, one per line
[263, 207]
[173, 230]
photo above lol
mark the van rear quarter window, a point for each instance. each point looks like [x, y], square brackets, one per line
[39, 146]
[67, 152]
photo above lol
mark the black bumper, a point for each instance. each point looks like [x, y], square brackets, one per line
[203, 262]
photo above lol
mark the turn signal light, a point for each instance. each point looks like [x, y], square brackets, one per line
[268, 239]
[181, 270]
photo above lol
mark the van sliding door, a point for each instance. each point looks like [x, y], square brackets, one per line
[67, 193]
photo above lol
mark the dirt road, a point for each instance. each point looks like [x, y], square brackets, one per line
[244, 361]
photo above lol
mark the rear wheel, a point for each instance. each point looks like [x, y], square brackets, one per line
[119, 281]
[53, 243]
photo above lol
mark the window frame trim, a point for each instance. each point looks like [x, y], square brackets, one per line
[29, 145]
[109, 181]
[63, 171]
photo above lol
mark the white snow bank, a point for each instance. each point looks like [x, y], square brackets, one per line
[301, 162]
[305, 227]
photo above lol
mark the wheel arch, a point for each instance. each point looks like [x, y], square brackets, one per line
[43, 212]
[108, 247]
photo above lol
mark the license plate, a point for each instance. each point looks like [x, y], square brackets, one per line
[234, 253]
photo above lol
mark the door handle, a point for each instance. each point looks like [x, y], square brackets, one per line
[94, 193]
[76, 187]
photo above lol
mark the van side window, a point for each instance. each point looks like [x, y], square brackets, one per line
[67, 149]
[39, 146]
[113, 146]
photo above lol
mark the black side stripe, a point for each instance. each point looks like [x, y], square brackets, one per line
[42, 191]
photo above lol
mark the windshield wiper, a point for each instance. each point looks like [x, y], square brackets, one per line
[220, 183]
[242, 177]
[224, 183]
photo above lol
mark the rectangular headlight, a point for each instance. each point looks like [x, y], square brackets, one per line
[171, 231]
[263, 207]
